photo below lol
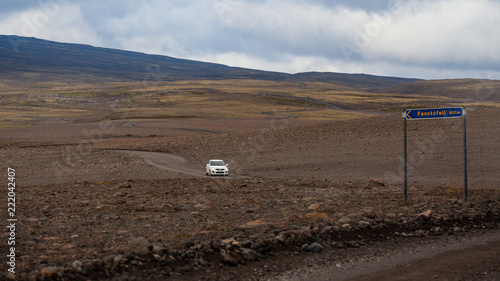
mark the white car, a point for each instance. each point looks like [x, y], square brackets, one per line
[216, 167]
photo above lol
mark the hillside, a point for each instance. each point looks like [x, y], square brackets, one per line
[33, 60]
[476, 90]
[364, 82]
[76, 61]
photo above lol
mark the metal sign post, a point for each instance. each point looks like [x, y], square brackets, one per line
[434, 113]
[465, 159]
[406, 165]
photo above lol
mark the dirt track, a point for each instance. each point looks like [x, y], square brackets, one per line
[461, 258]
[167, 161]
[288, 176]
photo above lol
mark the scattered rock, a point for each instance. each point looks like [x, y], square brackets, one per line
[49, 272]
[159, 248]
[120, 259]
[315, 248]
[208, 209]
[201, 207]
[77, 265]
[142, 248]
[92, 266]
[353, 244]
[211, 226]
[345, 220]
[294, 235]
[346, 226]
[280, 238]
[43, 259]
[436, 231]
[52, 238]
[69, 246]
[203, 262]
[364, 224]
[119, 194]
[376, 183]
[293, 218]
[326, 230]
[214, 246]
[236, 255]
[256, 224]
[314, 206]
[231, 242]
[126, 184]
[427, 214]
[391, 215]
[249, 255]
[315, 216]
[247, 243]
[228, 259]
[168, 208]
[420, 233]
[419, 221]
[339, 245]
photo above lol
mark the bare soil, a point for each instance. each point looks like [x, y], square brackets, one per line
[85, 190]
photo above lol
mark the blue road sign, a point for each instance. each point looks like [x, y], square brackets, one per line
[433, 113]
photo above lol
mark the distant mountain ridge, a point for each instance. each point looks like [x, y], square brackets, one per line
[47, 60]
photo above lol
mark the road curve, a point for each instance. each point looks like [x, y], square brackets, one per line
[168, 161]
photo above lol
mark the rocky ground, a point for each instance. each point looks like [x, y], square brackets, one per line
[305, 201]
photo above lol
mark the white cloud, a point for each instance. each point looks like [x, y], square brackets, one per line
[440, 32]
[56, 22]
[416, 38]
[63, 23]
[456, 33]
[286, 63]
[296, 64]
[292, 27]
[159, 27]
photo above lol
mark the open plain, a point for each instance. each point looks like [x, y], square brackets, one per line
[110, 181]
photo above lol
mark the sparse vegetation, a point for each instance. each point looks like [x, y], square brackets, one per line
[210, 99]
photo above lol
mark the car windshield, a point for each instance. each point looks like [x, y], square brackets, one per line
[217, 163]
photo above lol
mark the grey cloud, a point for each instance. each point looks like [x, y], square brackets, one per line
[366, 5]
[413, 38]
[18, 5]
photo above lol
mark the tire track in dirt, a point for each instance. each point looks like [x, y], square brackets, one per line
[172, 162]
[462, 258]
[168, 161]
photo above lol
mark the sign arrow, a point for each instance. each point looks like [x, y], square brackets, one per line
[408, 114]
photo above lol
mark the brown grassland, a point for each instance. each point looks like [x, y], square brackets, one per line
[53, 102]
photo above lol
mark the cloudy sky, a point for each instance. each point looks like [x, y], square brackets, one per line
[422, 39]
